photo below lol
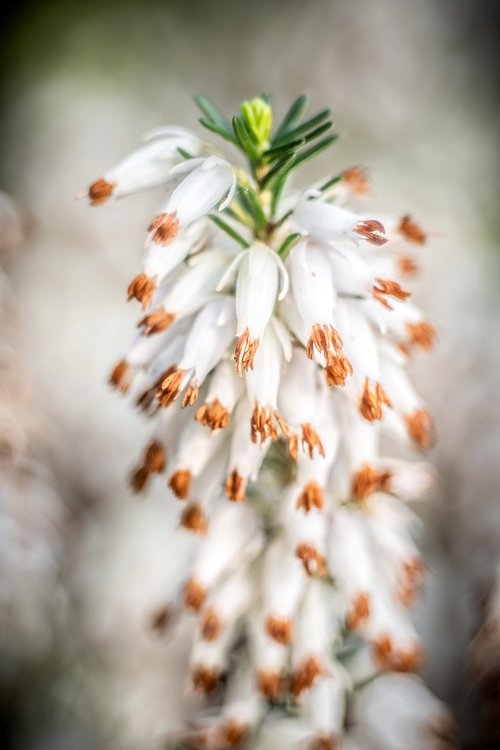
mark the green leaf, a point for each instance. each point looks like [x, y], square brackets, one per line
[185, 154]
[228, 135]
[212, 114]
[287, 245]
[329, 183]
[313, 122]
[254, 207]
[317, 132]
[229, 230]
[309, 153]
[245, 139]
[277, 191]
[279, 169]
[280, 151]
[292, 117]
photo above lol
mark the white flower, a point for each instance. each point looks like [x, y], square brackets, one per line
[329, 223]
[210, 184]
[147, 167]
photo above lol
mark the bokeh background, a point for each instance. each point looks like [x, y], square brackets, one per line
[414, 85]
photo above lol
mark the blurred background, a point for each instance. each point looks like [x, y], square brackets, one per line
[414, 86]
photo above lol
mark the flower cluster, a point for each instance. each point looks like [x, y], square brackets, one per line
[271, 354]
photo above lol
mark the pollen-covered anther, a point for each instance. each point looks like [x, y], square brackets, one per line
[407, 266]
[142, 289]
[356, 178]
[372, 400]
[213, 415]
[410, 581]
[121, 376]
[310, 440]
[100, 191]
[156, 322]
[368, 480]
[231, 733]
[270, 684]
[421, 334]
[390, 658]
[164, 228]
[235, 487]
[280, 629]
[205, 679]
[372, 231]
[139, 478]
[211, 625]
[325, 742]
[168, 389]
[420, 428]
[154, 457]
[384, 288]
[337, 370]
[262, 424]
[161, 618]
[306, 675]
[190, 396]
[311, 497]
[313, 561]
[180, 483]
[194, 594]
[244, 352]
[411, 231]
[359, 611]
[326, 340]
[193, 519]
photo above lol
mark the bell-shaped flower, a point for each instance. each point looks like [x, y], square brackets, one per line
[147, 167]
[328, 223]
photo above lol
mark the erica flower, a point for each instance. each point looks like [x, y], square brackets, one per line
[272, 359]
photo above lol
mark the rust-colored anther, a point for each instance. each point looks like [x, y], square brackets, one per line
[121, 377]
[325, 339]
[311, 440]
[270, 684]
[190, 396]
[311, 497]
[372, 231]
[368, 480]
[337, 370]
[235, 487]
[194, 594]
[372, 400]
[384, 288]
[356, 179]
[142, 289]
[213, 415]
[325, 742]
[407, 266]
[410, 581]
[244, 352]
[211, 625]
[279, 629]
[421, 334]
[390, 658]
[169, 388]
[156, 322]
[205, 679]
[306, 675]
[262, 425]
[100, 191]
[164, 228]
[420, 428]
[314, 563]
[154, 457]
[193, 519]
[359, 611]
[232, 734]
[139, 479]
[161, 618]
[411, 231]
[180, 483]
